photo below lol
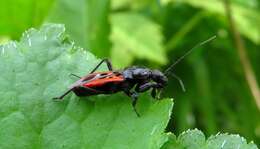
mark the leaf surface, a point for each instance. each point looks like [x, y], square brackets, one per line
[195, 139]
[36, 69]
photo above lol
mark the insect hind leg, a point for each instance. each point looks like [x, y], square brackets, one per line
[62, 96]
[109, 65]
[72, 74]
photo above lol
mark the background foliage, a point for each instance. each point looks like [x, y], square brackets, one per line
[154, 33]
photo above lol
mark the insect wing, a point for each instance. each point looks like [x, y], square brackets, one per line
[88, 78]
[109, 78]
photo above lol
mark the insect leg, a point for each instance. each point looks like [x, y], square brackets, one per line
[134, 97]
[180, 81]
[109, 65]
[63, 95]
[146, 86]
[75, 75]
[153, 93]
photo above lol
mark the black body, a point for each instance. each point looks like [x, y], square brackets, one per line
[134, 80]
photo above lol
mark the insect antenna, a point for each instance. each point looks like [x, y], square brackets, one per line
[180, 81]
[167, 71]
[187, 53]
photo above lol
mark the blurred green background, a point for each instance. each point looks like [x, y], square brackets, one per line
[154, 33]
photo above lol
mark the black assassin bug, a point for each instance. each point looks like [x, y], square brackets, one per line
[132, 80]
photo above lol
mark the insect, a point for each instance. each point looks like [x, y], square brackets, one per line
[132, 80]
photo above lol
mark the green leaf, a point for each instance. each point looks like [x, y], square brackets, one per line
[195, 139]
[36, 69]
[137, 36]
[133, 4]
[247, 20]
[86, 21]
[18, 15]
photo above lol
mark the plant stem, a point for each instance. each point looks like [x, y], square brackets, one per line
[249, 73]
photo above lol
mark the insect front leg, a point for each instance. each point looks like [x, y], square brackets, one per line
[134, 97]
[153, 93]
[146, 86]
[180, 81]
[109, 65]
